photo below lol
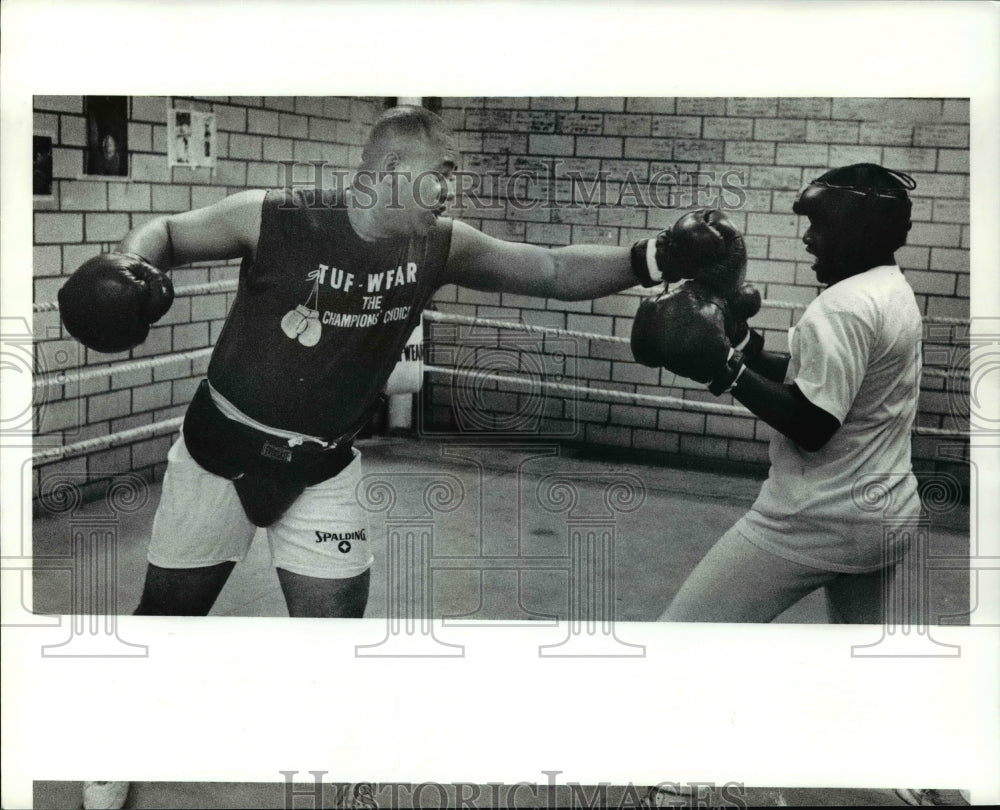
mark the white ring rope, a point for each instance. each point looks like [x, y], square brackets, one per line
[111, 440]
[230, 285]
[114, 369]
[223, 285]
[601, 393]
[168, 426]
[520, 326]
[692, 406]
[159, 428]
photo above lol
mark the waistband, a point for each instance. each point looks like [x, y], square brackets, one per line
[294, 439]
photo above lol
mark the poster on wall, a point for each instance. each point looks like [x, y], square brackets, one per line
[191, 139]
[107, 136]
[41, 170]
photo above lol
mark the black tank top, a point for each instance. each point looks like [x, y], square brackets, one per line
[321, 316]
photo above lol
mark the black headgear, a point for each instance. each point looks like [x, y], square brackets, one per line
[877, 198]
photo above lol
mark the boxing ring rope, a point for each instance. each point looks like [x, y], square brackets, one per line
[230, 285]
[467, 320]
[113, 369]
[168, 426]
[107, 442]
[73, 377]
[223, 285]
[600, 393]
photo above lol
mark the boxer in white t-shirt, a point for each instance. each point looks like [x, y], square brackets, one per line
[835, 510]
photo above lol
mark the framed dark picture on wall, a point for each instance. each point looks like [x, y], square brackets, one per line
[41, 175]
[107, 135]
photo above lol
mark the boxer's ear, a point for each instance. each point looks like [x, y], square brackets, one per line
[390, 162]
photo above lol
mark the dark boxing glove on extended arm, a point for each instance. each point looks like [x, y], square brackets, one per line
[109, 303]
[701, 244]
[705, 246]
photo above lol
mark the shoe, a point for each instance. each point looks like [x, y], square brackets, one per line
[934, 798]
[104, 795]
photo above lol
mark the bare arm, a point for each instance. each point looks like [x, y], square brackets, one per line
[771, 365]
[786, 409]
[572, 273]
[226, 230]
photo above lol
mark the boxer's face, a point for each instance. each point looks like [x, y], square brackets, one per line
[417, 193]
[836, 238]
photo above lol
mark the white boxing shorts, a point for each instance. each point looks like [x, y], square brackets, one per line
[200, 522]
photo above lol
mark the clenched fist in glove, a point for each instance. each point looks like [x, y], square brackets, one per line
[109, 303]
[690, 330]
[684, 330]
[701, 244]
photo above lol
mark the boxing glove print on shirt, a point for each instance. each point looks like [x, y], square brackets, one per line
[302, 324]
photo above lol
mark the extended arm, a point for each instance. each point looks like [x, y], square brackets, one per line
[226, 230]
[701, 243]
[570, 273]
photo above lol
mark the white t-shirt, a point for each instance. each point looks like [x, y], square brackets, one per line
[855, 353]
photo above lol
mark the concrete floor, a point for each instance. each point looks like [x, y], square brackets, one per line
[497, 523]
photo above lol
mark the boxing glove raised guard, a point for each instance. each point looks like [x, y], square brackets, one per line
[111, 300]
[687, 330]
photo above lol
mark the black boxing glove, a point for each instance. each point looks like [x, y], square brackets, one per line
[110, 301]
[702, 243]
[684, 331]
[741, 304]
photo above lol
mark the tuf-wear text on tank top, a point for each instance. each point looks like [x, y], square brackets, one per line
[321, 316]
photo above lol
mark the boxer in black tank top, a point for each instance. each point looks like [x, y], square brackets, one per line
[329, 291]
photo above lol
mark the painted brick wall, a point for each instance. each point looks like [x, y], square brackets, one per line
[86, 215]
[755, 152]
[770, 148]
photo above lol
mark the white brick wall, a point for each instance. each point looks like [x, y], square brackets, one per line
[85, 216]
[779, 144]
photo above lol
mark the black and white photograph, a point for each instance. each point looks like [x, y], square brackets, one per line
[564, 421]
[365, 449]
[107, 136]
